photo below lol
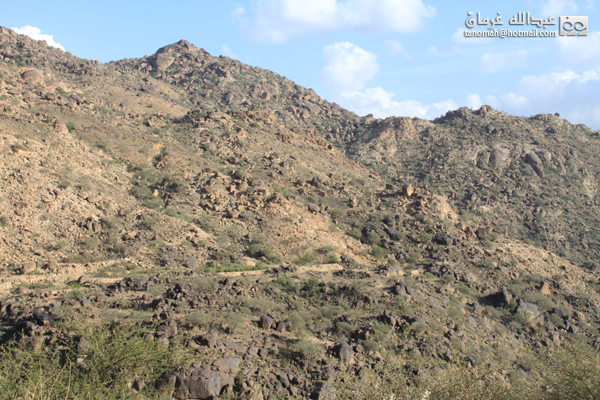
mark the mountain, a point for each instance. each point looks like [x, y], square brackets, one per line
[275, 244]
[534, 179]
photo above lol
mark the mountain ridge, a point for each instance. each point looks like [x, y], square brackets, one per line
[235, 215]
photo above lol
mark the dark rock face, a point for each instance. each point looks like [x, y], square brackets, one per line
[501, 299]
[344, 352]
[192, 383]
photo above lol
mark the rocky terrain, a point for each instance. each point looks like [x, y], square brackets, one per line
[275, 244]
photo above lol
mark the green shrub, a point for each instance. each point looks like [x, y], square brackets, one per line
[355, 233]
[414, 258]
[464, 289]
[331, 259]
[325, 249]
[370, 345]
[198, 318]
[312, 286]
[455, 314]
[556, 320]
[330, 311]
[345, 329]
[75, 294]
[391, 380]
[72, 126]
[258, 238]
[544, 302]
[90, 243]
[177, 214]
[306, 348]
[374, 238]
[514, 289]
[307, 258]
[448, 279]
[64, 182]
[377, 252]
[204, 285]
[233, 320]
[115, 355]
[271, 256]
[258, 250]
[426, 237]
[286, 283]
[296, 322]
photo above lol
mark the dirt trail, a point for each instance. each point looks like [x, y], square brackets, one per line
[71, 272]
[323, 268]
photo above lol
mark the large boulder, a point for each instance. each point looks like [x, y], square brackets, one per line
[7, 35]
[345, 353]
[528, 310]
[163, 61]
[30, 75]
[535, 163]
[483, 160]
[500, 157]
[227, 365]
[194, 383]
[266, 322]
[440, 204]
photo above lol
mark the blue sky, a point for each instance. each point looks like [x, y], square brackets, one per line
[385, 57]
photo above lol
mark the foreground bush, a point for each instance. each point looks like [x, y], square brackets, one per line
[108, 362]
[572, 373]
[398, 381]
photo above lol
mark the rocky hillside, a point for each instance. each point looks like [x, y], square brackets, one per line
[534, 179]
[274, 243]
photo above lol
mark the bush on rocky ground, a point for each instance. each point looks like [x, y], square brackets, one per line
[106, 362]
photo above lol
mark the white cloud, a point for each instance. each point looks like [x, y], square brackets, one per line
[348, 67]
[515, 100]
[274, 21]
[433, 49]
[379, 102]
[580, 51]
[226, 51]
[493, 62]
[36, 33]
[572, 94]
[473, 101]
[458, 38]
[558, 7]
[238, 13]
[395, 46]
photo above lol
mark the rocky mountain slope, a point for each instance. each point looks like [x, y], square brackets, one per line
[276, 243]
[534, 179]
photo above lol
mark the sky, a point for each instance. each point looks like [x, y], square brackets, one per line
[381, 57]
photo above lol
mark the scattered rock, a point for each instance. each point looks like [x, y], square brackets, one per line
[265, 322]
